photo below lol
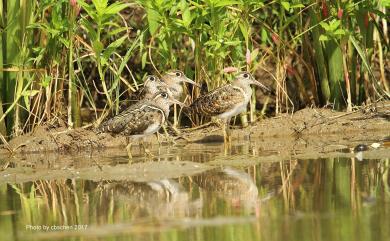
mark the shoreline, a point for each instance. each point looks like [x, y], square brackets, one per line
[312, 123]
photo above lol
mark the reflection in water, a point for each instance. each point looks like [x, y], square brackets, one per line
[323, 199]
[234, 186]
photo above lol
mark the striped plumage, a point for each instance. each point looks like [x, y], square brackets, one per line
[141, 119]
[152, 85]
[175, 79]
[228, 100]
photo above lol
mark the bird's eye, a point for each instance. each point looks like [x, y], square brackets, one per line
[178, 74]
[151, 78]
[164, 95]
[246, 75]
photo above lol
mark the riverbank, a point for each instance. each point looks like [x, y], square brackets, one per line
[311, 124]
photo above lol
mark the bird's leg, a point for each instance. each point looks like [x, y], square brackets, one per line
[167, 136]
[175, 121]
[228, 131]
[146, 150]
[128, 148]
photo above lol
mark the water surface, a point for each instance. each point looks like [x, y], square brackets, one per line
[198, 192]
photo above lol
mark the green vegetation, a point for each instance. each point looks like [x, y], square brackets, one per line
[71, 59]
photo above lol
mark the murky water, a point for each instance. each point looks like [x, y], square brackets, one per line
[198, 192]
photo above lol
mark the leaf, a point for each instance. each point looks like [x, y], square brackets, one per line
[143, 59]
[30, 93]
[325, 26]
[339, 32]
[334, 24]
[254, 54]
[244, 27]
[100, 6]
[286, 5]
[324, 38]
[116, 8]
[87, 8]
[153, 20]
[46, 81]
[187, 19]
[27, 94]
[366, 64]
[299, 5]
[112, 47]
[224, 3]
[117, 30]
[97, 47]
[90, 29]
[384, 3]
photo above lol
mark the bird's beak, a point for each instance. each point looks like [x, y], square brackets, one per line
[255, 82]
[174, 101]
[190, 81]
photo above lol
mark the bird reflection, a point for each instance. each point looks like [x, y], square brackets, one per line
[232, 185]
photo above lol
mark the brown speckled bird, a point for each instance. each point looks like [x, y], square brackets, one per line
[175, 79]
[141, 119]
[226, 101]
[152, 85]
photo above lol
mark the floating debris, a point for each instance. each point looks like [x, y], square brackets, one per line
[360, 147]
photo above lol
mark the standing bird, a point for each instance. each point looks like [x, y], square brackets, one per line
[141, 119]
[152, 85]
[175, 80]
[226, 101]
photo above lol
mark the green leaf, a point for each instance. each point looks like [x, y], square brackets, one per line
[324, 38]
[116, 8]
[112, 47]
[30, 93]
[367, 66]
[187, 19]
[339, 32]
[384, 3]
[254, 54]
[286, 5]
[87, 8]
[97, 47]
[334, 24]
[90, 29]
[224, 3]
[100, 6]
[27, 94]
[153, 20]
[325, 26]
[244, 27]
[143, 59]
[299, 5]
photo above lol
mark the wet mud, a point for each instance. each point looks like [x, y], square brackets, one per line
[311, 125]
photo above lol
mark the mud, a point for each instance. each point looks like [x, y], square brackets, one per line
[313, 125]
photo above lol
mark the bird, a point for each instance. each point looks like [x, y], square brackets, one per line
[152, 85]
[226, 101]
[175, 80]
[141, 119]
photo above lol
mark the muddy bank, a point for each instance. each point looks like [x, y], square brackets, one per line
[310, 123]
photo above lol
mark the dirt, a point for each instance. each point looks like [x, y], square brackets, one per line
[310, 124]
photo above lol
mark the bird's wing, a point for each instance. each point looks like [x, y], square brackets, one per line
[134, 120]
[218, 101]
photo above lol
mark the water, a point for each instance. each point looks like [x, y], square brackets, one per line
[199, 192]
